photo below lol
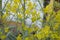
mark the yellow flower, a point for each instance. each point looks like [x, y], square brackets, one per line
[38, 16]
[48, 18]
[14, 8]
[19, 37]
[17, 1]
[26, 38]
[27, 11]
[5, 15]
[35, 28]
[49, 8]
[6, 29]
[3, 37]
[56, 26]
[30, 30]
[54, 36]
[25, 27]
[40, 36]
[34, 18]
[46, 30]
[20, 16]
[34, 12]
[30, 5]
[0, 32]
[57, 18]
[8, 7]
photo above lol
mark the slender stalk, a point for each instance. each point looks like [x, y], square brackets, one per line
[23, 18]
[5, 5]
[0, 11]
[24, 12]
[42, 11]
[40, 5]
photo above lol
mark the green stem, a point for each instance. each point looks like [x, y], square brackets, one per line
[42, 11]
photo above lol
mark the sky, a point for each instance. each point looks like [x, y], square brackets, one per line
[3, 3]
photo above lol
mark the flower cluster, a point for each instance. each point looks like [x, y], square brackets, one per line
[21, 29]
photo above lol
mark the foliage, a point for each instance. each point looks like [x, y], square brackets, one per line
[26, 9]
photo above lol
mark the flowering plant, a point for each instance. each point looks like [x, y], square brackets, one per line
[22, 21]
